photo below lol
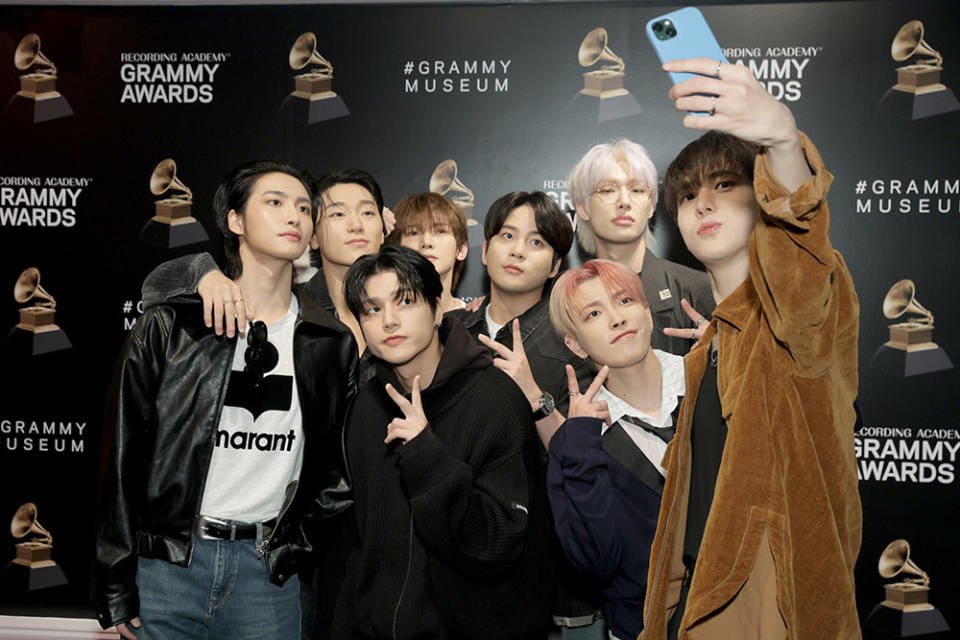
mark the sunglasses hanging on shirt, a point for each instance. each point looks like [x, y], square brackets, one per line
[260, 356]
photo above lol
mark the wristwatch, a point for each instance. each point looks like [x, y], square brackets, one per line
[547, 405]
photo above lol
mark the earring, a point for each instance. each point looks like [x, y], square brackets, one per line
[437, 325]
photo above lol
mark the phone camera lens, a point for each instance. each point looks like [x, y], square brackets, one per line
[657, 27]
[671, 32]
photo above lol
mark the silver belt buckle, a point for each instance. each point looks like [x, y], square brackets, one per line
[202, 523]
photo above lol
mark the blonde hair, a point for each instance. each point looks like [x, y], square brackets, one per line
[595, 165]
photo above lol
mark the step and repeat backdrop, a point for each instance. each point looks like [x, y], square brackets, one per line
[117, 124]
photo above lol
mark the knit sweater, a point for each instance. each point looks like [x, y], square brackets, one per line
[442, 519]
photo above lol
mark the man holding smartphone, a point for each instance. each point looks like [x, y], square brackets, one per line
[760, 521]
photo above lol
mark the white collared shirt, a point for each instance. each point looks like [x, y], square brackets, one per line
[672, 388]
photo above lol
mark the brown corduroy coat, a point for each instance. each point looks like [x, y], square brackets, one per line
[783, 534]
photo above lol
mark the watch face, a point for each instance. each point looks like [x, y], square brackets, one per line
[546, 402]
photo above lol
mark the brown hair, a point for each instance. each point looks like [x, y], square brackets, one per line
[715, 153]
[422, 211]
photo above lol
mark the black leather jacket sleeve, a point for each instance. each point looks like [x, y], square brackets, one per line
[127, 422]
[178, 277]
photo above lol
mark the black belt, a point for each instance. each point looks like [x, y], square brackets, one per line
[209, 528]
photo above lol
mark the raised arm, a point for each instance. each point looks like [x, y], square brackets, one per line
[800, 279]
[224, 307]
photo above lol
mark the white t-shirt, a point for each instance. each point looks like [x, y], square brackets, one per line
[492, 327]
[258, 448]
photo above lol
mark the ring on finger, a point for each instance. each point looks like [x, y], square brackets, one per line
[693, 334]
[701, 321]
[227, 301]
[713, 106]
[716, 71]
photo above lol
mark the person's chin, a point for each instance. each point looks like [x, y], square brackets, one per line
[383, 352]
[515, 285]
[626, 234]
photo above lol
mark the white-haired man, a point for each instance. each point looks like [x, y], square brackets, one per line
[614, 190]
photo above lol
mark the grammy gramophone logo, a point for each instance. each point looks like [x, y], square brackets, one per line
[910, 350]
[172, 224]
[605, 84]
[313, 98]
[38, 99]
[33, 567]
[444, 181]
[36, 332]
[904, 611]
[918, 92]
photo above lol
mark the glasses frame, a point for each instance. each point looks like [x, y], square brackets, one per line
[614, 197]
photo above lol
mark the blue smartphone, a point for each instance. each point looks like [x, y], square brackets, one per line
[683, 34]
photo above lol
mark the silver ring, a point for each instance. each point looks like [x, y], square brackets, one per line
[227, 301]
[701, 321]
[239, 300]
[713, 106]
[574, 393]
[716, 72]
[693, 334]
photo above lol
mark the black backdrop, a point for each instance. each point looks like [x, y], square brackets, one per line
[830, 62]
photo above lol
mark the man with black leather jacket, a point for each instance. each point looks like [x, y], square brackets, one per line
[208, 509]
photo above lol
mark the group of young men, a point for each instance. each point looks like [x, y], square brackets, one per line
[377, 459]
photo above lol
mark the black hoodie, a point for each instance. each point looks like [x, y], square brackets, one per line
[443, 519]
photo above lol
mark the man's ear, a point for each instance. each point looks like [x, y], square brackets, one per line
[648, 212]
[574, 345]
[315, 238]
[235, 222]
[582, 213]
[556, 267]
[462, 252]
[483, 253]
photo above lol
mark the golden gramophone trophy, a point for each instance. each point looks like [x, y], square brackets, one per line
[33, 567]
[38, 99]
[36, 330]
[313, 99]
[918, 92]
[904, 612]
[910, 350]
[172, 224]
[605, 85]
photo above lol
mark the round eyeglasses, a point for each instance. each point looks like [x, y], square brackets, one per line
[610, 193]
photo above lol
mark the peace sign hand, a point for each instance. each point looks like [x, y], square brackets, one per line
[515, 364]
[691, 334]
[414, 420]
[583, 404]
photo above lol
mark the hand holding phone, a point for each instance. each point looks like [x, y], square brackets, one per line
[681, 35]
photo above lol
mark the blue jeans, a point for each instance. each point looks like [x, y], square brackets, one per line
[225, 594]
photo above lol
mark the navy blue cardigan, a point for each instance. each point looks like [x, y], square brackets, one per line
[605, 518]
